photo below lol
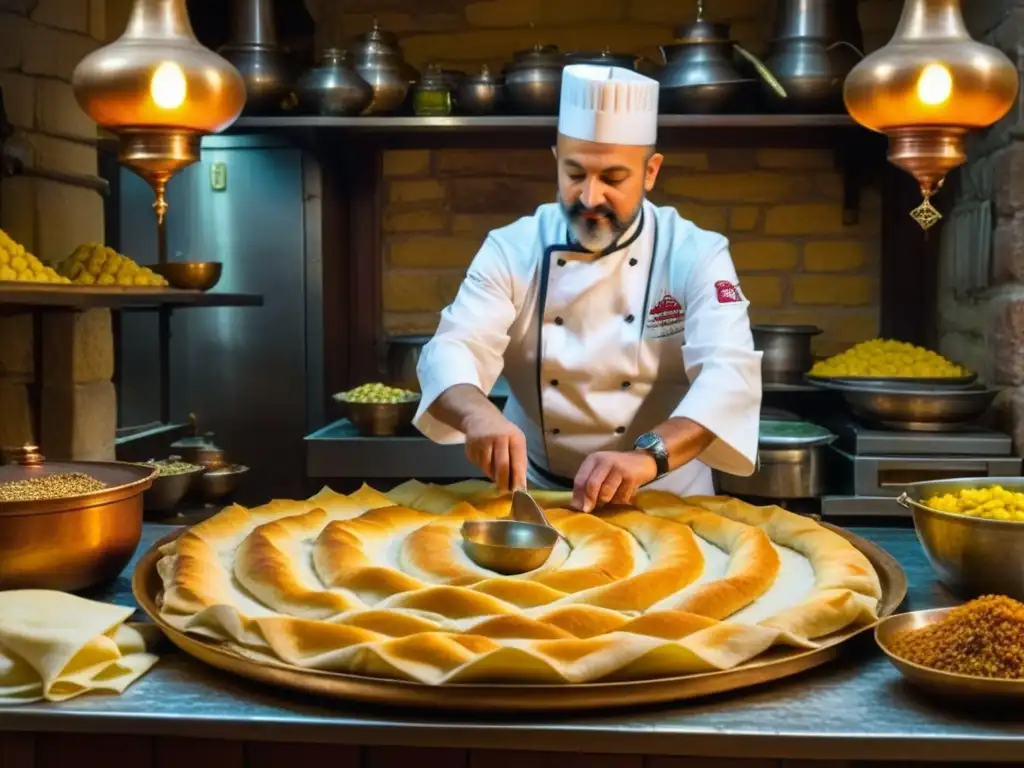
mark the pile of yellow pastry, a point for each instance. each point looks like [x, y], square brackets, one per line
[17, 264]
[95, 264]
[379, 584]
[887, 358]
[56, 646]
[90, 264]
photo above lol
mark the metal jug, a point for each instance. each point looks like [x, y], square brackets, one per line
[814, 46]
[255, 52]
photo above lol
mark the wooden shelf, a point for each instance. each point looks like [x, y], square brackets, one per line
[93, 297]
[520, 122]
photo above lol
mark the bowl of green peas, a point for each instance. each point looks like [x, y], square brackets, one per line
[379, 410]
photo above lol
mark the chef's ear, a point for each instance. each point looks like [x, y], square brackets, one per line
[651, 171]
[554, 151]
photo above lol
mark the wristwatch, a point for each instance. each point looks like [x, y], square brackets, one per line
[650, 443]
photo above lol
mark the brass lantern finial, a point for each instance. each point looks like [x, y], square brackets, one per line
[926, 89]
[160, 91]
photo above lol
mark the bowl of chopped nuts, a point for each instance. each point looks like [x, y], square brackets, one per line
[379, 410]
[175, 479]
[67, 526]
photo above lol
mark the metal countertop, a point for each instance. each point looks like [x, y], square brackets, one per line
[855, 708]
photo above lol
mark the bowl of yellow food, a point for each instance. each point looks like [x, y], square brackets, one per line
[379, 410]
[972, 531]
[886, 362]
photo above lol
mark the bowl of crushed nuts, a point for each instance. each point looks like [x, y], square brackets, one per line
[169, 487]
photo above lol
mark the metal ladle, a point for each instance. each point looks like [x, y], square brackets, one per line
[511, 546]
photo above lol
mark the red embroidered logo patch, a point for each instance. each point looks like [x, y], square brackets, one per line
[666, 317]
[727, 292]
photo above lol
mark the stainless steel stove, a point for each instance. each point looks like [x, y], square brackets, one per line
[868, 467]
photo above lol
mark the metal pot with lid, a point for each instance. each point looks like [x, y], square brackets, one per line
[403, 355]
[700, 75]
[67, 526]
[479, 94]
[378, 61]
[333, 88]
[604, 58]
[199, 449]
[786, 351]
[533, 80]
[790, 462]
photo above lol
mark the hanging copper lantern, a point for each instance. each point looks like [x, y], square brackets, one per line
[159, 91]
[926, 89]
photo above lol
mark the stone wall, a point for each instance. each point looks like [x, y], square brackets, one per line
[981, 299]
[781, 209]
[41, 41]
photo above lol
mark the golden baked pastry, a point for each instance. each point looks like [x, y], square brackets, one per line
[378, 585]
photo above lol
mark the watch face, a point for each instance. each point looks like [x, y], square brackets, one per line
[647, 441]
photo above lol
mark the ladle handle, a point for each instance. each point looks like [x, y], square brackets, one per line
[762, 70]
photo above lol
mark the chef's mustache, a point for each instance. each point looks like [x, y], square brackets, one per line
[578, 210]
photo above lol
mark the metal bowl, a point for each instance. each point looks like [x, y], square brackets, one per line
[190, 275]
[971, 555]
[925, 409]
[167, 491]
[945, 684]
[896, 382]
[74, 543]
[508, 546]
[219, 483]
[379, 419]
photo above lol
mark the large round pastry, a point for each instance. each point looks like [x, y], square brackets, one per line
[379, 585]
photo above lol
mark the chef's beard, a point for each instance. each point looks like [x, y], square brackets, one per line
[596, 235]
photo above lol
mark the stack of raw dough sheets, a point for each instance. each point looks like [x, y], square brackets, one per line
[57, 646]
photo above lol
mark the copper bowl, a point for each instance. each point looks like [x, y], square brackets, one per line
[74, 543]
[190, 275]
[380, 419]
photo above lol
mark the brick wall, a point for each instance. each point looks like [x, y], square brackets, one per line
[781, 209]
[41, 41]
[981, 282]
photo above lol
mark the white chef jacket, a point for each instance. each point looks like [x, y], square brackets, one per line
[599, 350]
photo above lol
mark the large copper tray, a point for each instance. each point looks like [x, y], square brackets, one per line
[774, 665]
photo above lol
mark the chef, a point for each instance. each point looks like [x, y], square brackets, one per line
[621, 327]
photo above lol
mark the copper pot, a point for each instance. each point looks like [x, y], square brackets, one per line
[74, 543]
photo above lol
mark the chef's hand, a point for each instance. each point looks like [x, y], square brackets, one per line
[611, 477]
[498, 448]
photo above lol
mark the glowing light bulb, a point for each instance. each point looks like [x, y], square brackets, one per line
[168, 87]
[935, 85]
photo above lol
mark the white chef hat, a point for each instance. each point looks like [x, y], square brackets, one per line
[608, 105]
